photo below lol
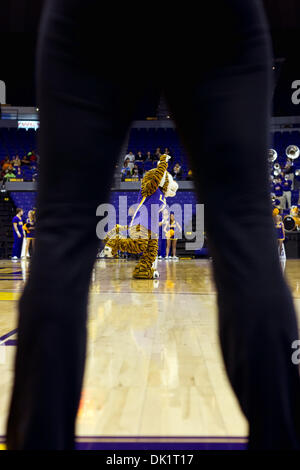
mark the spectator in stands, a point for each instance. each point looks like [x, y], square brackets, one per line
[139, 156]
[18, 234]
[149, 156]
[8, 174]
[177, 172]
[287, 193]
[32, 156]
[167, 151]
[16, 162]
[130, 156]
[135, 173]
[19, 172]
[275, 202]
[25, 160]
[157, 154]
[6, 163]
[3, 161]
[126, 170]
[289, 170]
[278, 191]
[189, 175]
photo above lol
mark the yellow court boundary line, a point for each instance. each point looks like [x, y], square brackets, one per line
[10, 295]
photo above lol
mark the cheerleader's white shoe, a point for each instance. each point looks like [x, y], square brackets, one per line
[154, 267]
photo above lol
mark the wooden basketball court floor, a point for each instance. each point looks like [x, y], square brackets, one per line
[154, 373]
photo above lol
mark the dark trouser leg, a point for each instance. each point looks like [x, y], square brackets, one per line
[223, 120]
[15, 249]
[84, 118]
[20, 246]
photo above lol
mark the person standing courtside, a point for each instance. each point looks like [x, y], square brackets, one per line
[287, 192]
[18, 234]
[220, 100]
[162, 240]
[29, 228]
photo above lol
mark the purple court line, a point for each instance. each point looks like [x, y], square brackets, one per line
[11, 342]
[225, 443]
[7, 335]
[13, 273]
[93, 445]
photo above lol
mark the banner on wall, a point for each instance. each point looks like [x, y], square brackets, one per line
[28, 125]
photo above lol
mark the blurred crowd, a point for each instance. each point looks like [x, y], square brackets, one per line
[134, 165]
[20, 168]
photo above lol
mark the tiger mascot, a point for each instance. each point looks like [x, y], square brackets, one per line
[157, 184]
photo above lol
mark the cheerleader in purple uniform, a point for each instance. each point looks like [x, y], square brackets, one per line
[30, 231]
[280, 233]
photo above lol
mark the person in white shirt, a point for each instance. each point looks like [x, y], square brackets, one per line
[130, 157]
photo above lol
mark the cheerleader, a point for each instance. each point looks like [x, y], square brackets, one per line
[163, 233]
[29, 228]
[280, 234]
[172, 229]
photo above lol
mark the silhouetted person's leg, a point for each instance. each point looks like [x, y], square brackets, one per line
[223, 117]
[84, 118]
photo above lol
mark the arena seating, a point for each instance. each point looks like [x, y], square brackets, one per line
[147, 140]
[24, 199]
[16, 141]
[181, 198]
[19, 141]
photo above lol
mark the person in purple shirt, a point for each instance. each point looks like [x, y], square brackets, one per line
[287, 192]
[278, 191]
[18, 234]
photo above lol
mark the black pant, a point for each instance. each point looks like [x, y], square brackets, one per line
[219, 95]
